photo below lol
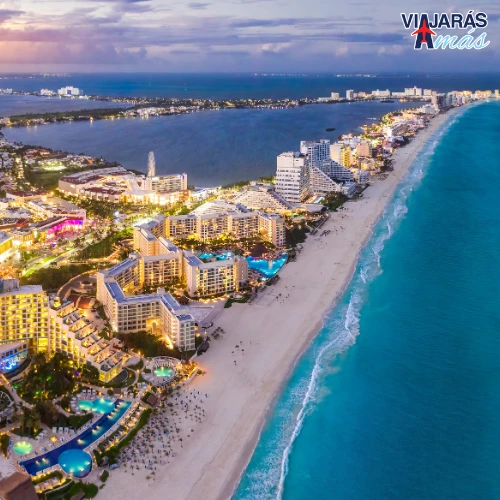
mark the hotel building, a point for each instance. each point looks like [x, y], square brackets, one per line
[6, 243]
[341, 154]
[262, 197]
[292, 177]
[240, 224]
[364, 149]
[158, 312]
[31, 319]
[75, 336]
[24, 315]
[167, 183]
[69, 91]
[115, 184]
[315, 151]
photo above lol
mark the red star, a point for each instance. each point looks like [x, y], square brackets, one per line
[425, 31]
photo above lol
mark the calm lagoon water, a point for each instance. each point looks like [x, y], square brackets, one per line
[398, 396]
[213, 147]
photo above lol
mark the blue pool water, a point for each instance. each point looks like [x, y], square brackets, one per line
[219, 256]
[163, 372]
[267, 268]
[398, 396]
[206, 255]
[76, 462]
[85, 405]
[34, 465]
[103, 405]
[22, 448]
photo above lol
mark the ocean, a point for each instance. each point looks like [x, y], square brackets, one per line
[243, 85]
[212, 147]
[398, 396]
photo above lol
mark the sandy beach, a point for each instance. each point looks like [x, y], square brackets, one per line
[272, 332]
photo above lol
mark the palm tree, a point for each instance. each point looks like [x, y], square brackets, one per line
[22, 420]
[36, 418]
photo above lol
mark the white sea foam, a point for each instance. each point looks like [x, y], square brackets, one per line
[341, 328]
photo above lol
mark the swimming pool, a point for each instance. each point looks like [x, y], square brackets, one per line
[22, 448]
[85, 405]
[218, 256]
[103, 405]
[87, 437]
[163, 372]
[99, 405]
[268, 268]
[76, 462]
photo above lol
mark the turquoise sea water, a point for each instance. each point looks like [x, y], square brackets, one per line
[398, 396]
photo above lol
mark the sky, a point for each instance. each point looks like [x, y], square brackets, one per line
[231, 35]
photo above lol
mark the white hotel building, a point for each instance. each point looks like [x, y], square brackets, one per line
[292, 177]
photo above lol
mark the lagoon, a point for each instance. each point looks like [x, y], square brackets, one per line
[212, 147]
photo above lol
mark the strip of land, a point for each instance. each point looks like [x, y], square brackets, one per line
[273, 331]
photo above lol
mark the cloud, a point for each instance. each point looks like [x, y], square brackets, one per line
[147, 33]
[6, 14]
[198, 6]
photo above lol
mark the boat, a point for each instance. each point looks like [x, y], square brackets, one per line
[330, 129]
[386, 100]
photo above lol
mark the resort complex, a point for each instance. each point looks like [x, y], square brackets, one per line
[48, 324]
[115, 184]
[133, 306]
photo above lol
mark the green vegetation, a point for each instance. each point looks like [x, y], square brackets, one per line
[3, 389]
[106, 246]
[59, 493]
[296, 234]
[55, 116]
[101, 209]
[30, 421]
[334, 200]
[137, 366]
[124, 379]
[43, 180]
[54, 377]
[89, 489]
[46, 477]
[4, 444]
[231, 301]
[104, 476]
[147, 344]
[52, 279]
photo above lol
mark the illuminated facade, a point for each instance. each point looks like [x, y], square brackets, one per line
[30, 319]
[6, 242]
[12, 355]
[24, 315]
[213, 225]
[75, 336]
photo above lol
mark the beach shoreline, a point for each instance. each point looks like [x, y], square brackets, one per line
[271, 335]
